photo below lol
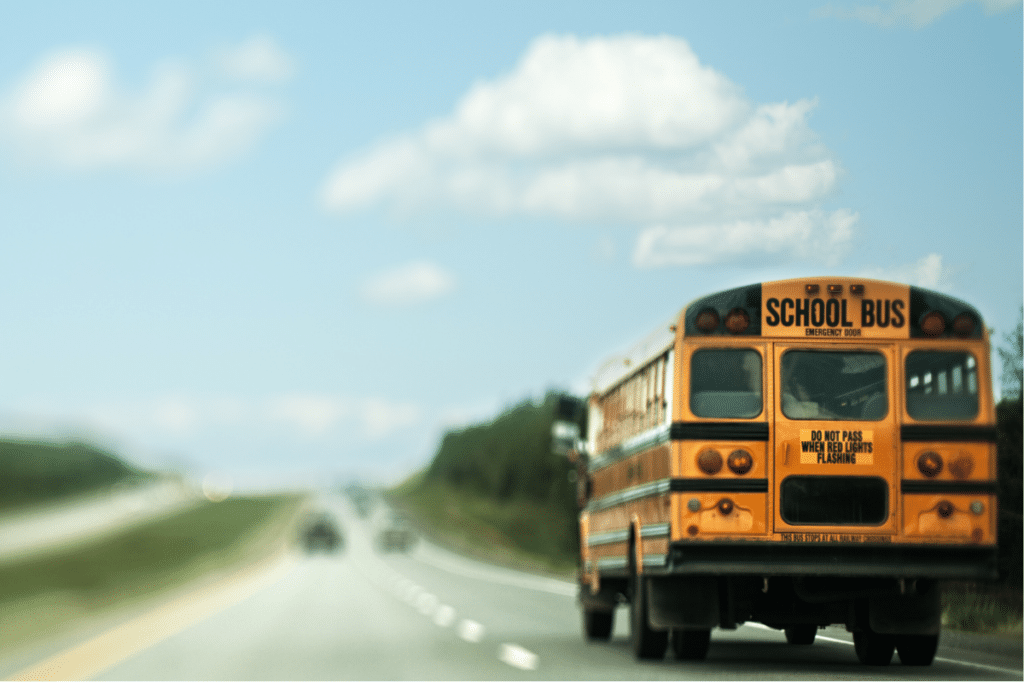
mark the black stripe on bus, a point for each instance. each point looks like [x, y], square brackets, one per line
[720, 485]
[948, 487]
[719, 431]
[973, 433]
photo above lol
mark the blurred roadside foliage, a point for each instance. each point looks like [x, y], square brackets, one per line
[500, 482]
[37, 471]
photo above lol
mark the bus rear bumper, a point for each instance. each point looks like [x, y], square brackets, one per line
[943, 562]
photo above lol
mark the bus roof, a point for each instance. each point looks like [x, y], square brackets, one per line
[847, 308]
[617, 368]
[828, 306]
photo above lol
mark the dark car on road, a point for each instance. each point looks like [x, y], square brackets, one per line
[396, 536]
[322, 533]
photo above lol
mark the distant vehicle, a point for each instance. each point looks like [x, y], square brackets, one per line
[321, 533]
[396, 536]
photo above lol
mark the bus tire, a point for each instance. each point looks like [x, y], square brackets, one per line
[597, 624]
[801, 634]
[690, 644]
[874, 649]
[646, 642]
[917, 650]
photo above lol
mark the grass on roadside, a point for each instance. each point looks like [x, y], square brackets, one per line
[968, 607]
[41, 595]
[511, 533]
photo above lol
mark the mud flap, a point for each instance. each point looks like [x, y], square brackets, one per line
[917, 612]
[683, 602]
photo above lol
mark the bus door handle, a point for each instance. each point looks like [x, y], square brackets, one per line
[785, 460]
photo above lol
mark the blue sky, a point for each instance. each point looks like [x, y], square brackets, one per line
[295, 242]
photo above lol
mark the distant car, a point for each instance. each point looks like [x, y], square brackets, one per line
[321, 533]
[396, 536]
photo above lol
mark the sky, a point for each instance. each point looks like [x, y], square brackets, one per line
[292, 243]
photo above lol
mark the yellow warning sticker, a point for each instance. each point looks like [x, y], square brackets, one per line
[836, 447]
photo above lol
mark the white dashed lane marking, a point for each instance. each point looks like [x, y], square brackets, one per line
[471, 631]
[516, 656]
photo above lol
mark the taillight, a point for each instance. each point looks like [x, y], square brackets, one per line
[961, 466]
[707, 320]
[737, 321]
[963, 325]
[740, 461]
[930, 463]
[933, 323]
[709, 461]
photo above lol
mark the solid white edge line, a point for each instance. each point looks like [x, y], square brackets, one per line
[977, 665]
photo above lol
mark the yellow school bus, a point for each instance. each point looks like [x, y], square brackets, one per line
[797, 453]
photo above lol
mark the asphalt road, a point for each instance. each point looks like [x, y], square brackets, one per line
[358, 614]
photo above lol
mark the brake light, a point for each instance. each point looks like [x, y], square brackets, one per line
[740, 461]
[930, 464]
[963, 325]
[737, 321]
[707, 320]
[933, 323]
[709, 461]
[961, 466]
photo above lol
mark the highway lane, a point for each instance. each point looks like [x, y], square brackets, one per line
[431, 615]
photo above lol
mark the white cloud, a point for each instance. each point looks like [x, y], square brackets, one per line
[928, 271]
[917, 13]
[628, 130]
[258, 59]
[174, 417]
[811, 235]
[311, 415]
[315, 415]
[408, 284]
[70, 112]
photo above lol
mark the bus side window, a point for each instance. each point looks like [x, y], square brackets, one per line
[725, 383]
[942, 385]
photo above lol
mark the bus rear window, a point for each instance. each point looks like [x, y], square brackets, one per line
[725, 383]
[834, 385]
[942, 385]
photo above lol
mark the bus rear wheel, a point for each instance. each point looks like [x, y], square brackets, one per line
[917, 650]
[802, 634]
[874, 649]
[691, 644]
[647, 643]
[597, 624]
